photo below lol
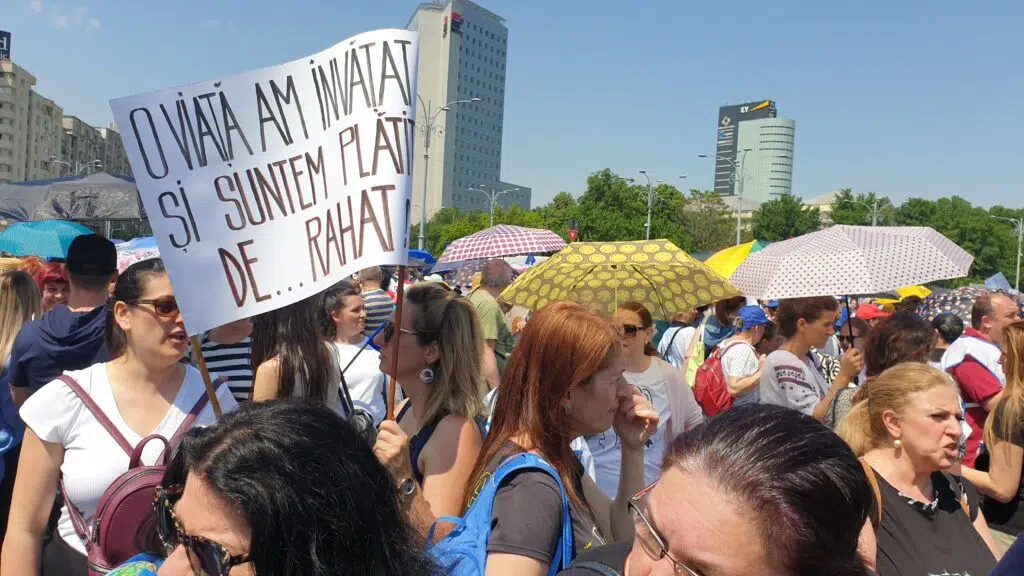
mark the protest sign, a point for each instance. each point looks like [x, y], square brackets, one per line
[270, 186]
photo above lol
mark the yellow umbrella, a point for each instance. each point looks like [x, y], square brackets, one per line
[905, 292]
[727, 260]
[655, 273]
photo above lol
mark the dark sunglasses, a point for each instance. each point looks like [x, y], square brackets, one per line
[388, 332]
[632, 329]
[206, 557]
[164, 306]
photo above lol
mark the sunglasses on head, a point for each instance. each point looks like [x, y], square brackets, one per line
[164, 306]
[206, 557]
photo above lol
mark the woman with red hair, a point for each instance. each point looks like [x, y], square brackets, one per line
[52, 280]
[563, 380]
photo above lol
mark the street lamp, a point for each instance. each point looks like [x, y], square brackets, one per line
[650, 201]
[739, 173]
[493, 197]
[1018, 224]
[427, 130]
[874, 209]
[79, 166]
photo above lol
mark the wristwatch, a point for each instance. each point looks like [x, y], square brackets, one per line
[407, 487]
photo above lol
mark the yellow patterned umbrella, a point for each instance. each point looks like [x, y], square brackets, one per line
[605, 274]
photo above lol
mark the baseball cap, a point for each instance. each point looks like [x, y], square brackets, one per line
[868, 312]
[772, 304]
[752, 317]
[92, 255]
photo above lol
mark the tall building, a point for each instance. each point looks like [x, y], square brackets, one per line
[29, 127]
[115, 159]
[766, 158]
[755, 147]
[463, 51]
[82, 148]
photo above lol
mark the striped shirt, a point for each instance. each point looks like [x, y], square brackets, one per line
[231, 361]
[378, 307]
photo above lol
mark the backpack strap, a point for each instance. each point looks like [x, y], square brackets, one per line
[602, 569]
[190, 418]
[97, 413]
[668, 348]
[870, 473]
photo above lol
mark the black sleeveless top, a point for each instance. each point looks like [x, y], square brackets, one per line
[420, 439]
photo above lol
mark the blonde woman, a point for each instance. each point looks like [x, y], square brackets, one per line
[907, 432]
[434, 440]
[1004, 438]
[19, 303]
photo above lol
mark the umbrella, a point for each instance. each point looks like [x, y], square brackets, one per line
[136, 250]
[461, 273]
[851, 260]
[46, 239]
[904, 293]
[421, 259]
[727, 260]
[501, 240]
[655, 273]
[95, 197]
[959, 302]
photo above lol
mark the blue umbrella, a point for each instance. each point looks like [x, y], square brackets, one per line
[46, 239]
[421, 259]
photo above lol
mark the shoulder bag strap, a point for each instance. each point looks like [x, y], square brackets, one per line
[870, 473]
[344, 396]
[602, 569]
[97, 413]
[668, 349]
[190, 418]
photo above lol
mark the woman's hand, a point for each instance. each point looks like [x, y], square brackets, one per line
[392, 449]
[851, 365]
[635, 421]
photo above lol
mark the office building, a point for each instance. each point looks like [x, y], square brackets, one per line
[463, 51]
[29, 127]
[765, 154]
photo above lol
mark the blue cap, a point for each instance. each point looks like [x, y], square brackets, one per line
[752, 317]
[772, 304]
[843, 317]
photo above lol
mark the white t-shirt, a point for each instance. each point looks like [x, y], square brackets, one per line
[740, 361]
[366, 383]
[677, 409]
[793, 382]
[679, 337]
[92, 459]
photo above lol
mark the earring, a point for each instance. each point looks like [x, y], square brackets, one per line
[427, 376]
[567, 408]
[897, 444]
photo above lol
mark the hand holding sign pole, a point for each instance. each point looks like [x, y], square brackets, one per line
[268, 187]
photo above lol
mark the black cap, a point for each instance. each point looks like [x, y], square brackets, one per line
[92, 255]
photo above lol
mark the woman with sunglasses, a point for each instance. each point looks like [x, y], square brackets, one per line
[564, 380]
[661, 384]
[233, 502]
[432, 443]
[143, 390]
[759, 490]
[291, 357]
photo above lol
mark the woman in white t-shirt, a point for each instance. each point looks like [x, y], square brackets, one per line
[344, 321]
[741, 364]
[292, 358]
[144, 390]
[662, 385]
[792, 376]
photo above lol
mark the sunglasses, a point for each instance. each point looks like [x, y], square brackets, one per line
[650, 539]
[388, 332]
[632, 329]
[206, 557]
[165, 306]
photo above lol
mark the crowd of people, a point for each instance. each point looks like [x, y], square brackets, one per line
[802, 437]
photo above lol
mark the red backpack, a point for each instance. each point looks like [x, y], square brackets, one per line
[709, 387]
[123, 525]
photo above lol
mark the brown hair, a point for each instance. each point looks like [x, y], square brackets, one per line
[863, 428]
[646, 318]
[811, 309]
[561, 348]
[902, 337]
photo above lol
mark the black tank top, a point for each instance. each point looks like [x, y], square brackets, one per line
[420, 439]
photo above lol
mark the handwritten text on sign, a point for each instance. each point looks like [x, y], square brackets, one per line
[268, 187]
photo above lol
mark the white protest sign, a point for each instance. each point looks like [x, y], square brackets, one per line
[270, 186]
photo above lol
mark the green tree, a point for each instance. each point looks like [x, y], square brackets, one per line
[556, 214]
[706, 218]
[612, 208]
[783, 218]
[856, 209]
[915, 212]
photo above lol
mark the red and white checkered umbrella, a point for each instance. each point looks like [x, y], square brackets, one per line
[502, 240]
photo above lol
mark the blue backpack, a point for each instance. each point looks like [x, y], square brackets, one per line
[463, 552]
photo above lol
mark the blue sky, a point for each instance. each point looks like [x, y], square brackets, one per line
[909, 98]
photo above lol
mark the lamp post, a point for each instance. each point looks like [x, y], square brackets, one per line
[79, 166]
[739, 174]
[650, 201]
[428, 129]
[1018, 224]
[493, 197]
[874, 209]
